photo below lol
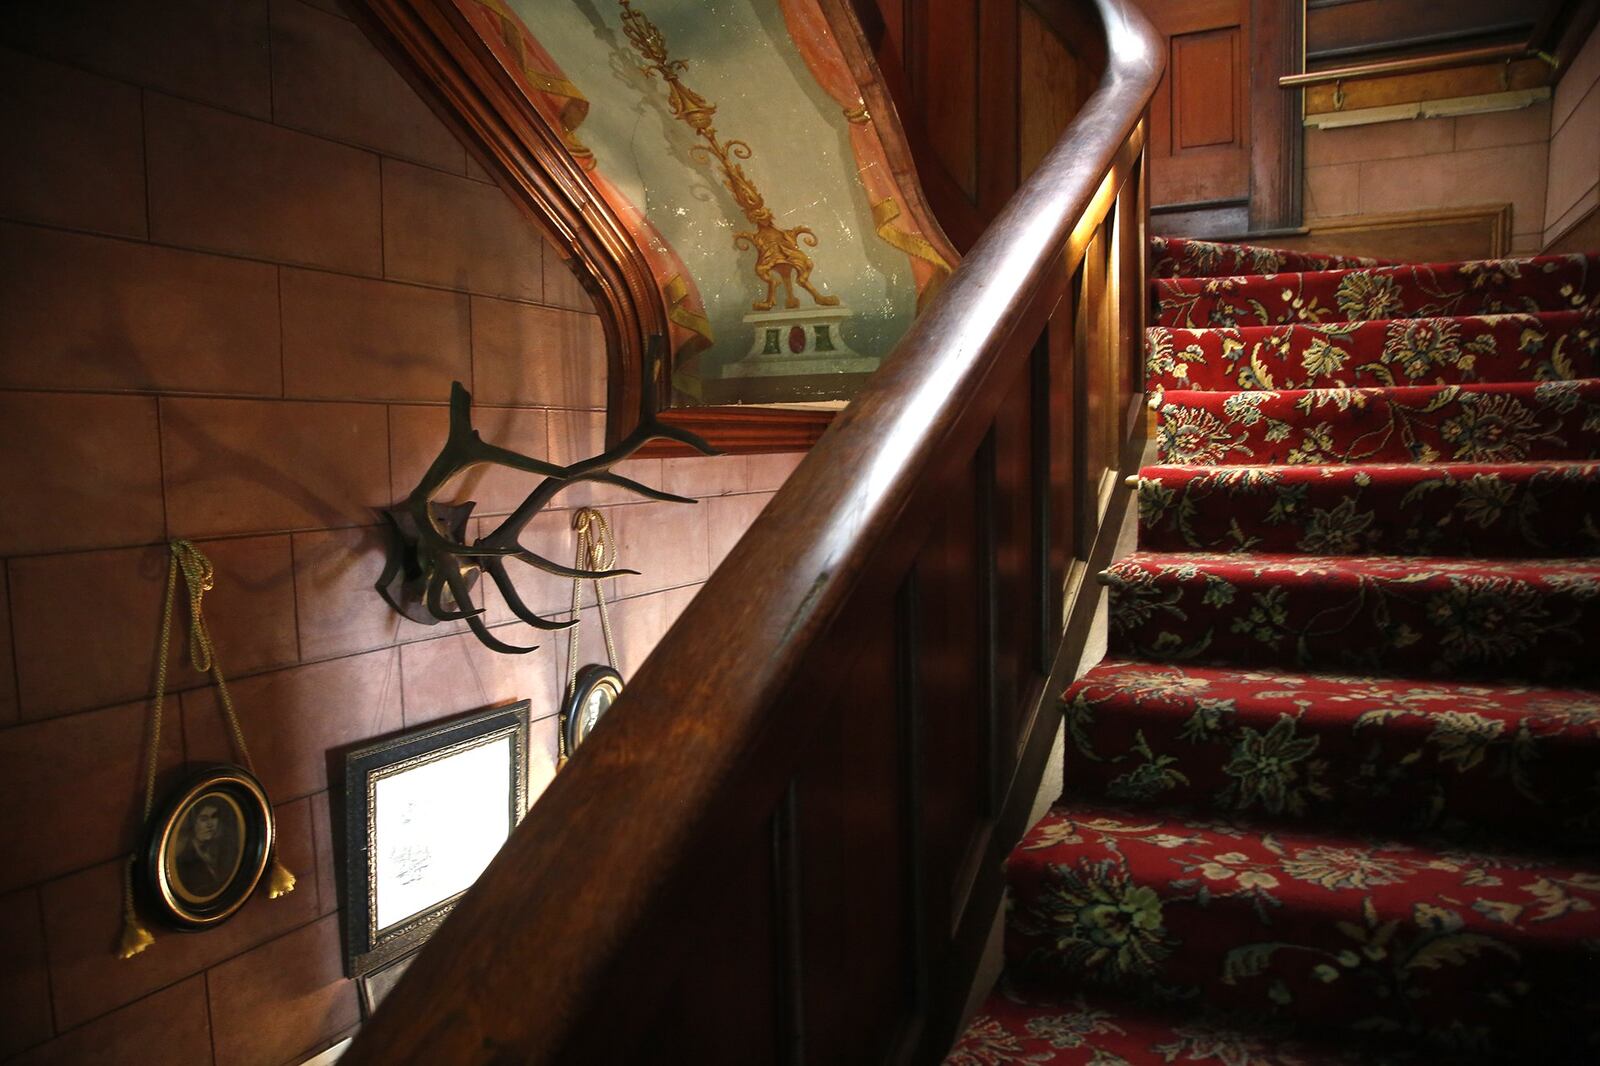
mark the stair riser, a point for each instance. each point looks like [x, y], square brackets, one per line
[1427, 351]
[1494, 512]
[1506, 423]
[1491, 287]
[1181, 257]
[1312, 616]
[1308, 751]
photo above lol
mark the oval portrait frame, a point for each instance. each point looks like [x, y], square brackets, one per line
[576, 726]
[239, 795]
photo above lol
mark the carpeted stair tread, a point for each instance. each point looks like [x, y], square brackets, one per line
[1493, 510]
[1551, 345]
[1474, 950]
[1187, 257]
[1093, 1028]
[1396, 754]
[1496, 422]
[1482, 287]
[1426, 616]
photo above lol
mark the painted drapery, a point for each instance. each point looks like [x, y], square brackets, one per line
[565, 107]
[893, 222]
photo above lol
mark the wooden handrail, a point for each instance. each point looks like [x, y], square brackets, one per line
[702, 746]
[1460, 57]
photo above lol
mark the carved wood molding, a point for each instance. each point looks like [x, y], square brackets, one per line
[445, 61]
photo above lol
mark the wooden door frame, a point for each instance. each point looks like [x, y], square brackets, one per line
[1277, 144]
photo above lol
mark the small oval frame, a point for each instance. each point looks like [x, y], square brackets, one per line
[577, 725]
[239, 789]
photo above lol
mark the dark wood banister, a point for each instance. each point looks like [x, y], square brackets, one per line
[704, 736]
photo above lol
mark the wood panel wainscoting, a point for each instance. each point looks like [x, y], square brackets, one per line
[785, 845]
[1446, 235]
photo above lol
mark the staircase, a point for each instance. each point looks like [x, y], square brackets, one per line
[1334, 796]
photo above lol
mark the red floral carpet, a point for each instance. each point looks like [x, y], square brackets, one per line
[1334, 796]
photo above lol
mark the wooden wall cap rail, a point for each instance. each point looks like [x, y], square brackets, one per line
[1461, 57]
[529, 946]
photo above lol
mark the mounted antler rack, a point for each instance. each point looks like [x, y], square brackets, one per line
[431, 569]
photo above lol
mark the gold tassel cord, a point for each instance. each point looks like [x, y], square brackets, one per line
[199, 577]
[597, 550]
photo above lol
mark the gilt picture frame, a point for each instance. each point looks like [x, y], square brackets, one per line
[424, 813]
[594, 690]
[207, 849]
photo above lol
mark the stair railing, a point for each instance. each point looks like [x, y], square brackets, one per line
[784, 845]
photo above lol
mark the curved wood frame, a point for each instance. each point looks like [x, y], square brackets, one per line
[572, 932]
[471, 89]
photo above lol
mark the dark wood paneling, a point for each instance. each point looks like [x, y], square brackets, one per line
[1059, 69]
[944, 76]
[850, 812]
[1277, 149]
[998, 93]
[1014, 561]
[949, 675]
[788, 938]
[1362, 29]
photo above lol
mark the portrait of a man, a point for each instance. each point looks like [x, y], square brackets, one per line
[596, 704]
[206, 852]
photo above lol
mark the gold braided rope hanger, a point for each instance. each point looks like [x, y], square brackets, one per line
[199, 577]
[597, 550]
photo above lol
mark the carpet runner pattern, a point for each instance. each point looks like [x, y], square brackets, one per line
[1334, 795]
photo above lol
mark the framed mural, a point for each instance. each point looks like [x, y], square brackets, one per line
[729, 174]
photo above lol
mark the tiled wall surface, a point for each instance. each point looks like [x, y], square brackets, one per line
[1575, 143]
[240, 263]
[1431, 163]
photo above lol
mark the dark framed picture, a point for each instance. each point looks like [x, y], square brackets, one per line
[594, 690]
[424, 812]
[376, 986]
[207, 848]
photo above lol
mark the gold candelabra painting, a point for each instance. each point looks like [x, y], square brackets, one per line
[778, 252]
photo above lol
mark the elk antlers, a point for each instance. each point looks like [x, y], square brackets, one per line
[431, 570]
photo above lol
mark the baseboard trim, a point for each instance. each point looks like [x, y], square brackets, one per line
[1582, 234]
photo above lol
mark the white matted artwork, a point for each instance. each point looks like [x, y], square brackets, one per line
[424, 813]
[431, 836]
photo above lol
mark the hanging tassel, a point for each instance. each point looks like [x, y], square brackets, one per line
[280, 882]
[135, 937]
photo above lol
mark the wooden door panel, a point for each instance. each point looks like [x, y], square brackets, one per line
[1200, 133]
[1201, 120]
